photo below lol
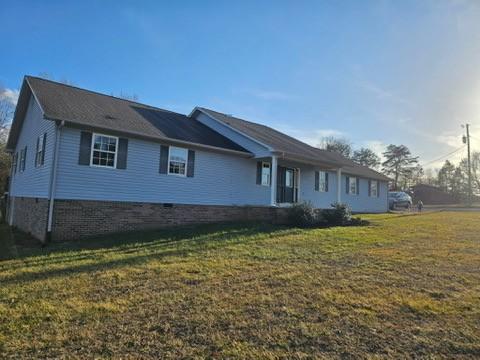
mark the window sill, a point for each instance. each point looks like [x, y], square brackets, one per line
[102, 166]
[177, 175]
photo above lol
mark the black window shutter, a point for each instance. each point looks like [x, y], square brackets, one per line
[163, 159]
[36, 151]
[326, 181]
[378, 188]
[317, 181]
[122, 153]
[85, 148]
[191, 163]
[25, 158]
[347, 181]
[259, 172]
[44, 147]
[358, 186]
[369, 187]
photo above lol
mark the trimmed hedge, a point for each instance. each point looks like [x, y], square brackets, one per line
[305, 215]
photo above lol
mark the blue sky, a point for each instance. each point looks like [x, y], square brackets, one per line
[376, 72]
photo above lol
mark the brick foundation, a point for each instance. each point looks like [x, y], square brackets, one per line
[74, 219]
[29, 215]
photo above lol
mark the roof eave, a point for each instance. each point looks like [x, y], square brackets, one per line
[305, 160]
[380, 177]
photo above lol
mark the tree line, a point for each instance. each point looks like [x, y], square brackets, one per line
[405, 170]
[399, 163]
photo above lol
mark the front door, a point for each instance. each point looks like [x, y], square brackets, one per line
[286, 186]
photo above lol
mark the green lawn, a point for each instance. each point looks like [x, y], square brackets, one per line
[403, 286]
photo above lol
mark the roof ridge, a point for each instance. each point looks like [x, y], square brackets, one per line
[237, 118]
[266, 126]
[101, 94]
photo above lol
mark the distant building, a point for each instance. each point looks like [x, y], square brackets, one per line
[432, 195]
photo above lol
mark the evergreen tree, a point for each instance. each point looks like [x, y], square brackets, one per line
[399, 163]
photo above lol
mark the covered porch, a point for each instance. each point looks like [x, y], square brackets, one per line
[287, 177]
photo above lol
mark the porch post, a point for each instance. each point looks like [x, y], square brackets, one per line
[273, 183]
[339, 185]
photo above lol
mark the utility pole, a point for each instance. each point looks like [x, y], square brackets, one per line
[467, 140]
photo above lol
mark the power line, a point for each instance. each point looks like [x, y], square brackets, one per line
[474, 137]
[444, 156]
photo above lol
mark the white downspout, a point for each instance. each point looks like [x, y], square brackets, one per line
[273, 186]
[339, 185]
[53, 177]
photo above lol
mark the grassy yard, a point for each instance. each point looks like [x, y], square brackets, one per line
[403, 286]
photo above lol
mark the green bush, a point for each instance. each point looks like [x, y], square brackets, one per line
[302, 215]
[339, 214]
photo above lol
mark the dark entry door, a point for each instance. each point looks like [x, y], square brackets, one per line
[285, 185]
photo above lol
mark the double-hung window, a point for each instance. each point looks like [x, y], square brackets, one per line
[322, 181]
[352, 186]
[265, 174]
[374, 188]
[177, 161]
[104, 151]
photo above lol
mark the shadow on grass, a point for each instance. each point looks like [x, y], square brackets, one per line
[113, 251]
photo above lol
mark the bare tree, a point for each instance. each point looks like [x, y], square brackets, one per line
[7, 109]
[126, 96]
[64, 80]
[342, 146]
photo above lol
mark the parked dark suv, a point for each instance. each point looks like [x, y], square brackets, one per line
[398, 199]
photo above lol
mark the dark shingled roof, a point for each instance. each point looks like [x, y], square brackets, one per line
[98, 111]
[363, 171]
[291, 147]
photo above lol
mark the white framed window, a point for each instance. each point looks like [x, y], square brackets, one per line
[265, 174]
[352, 186]
[322, 181]
[177, 161]
[104, 151]
[374, 188]
[40, 150]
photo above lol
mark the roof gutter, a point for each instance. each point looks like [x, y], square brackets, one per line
[53, 178]
[305, 160]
